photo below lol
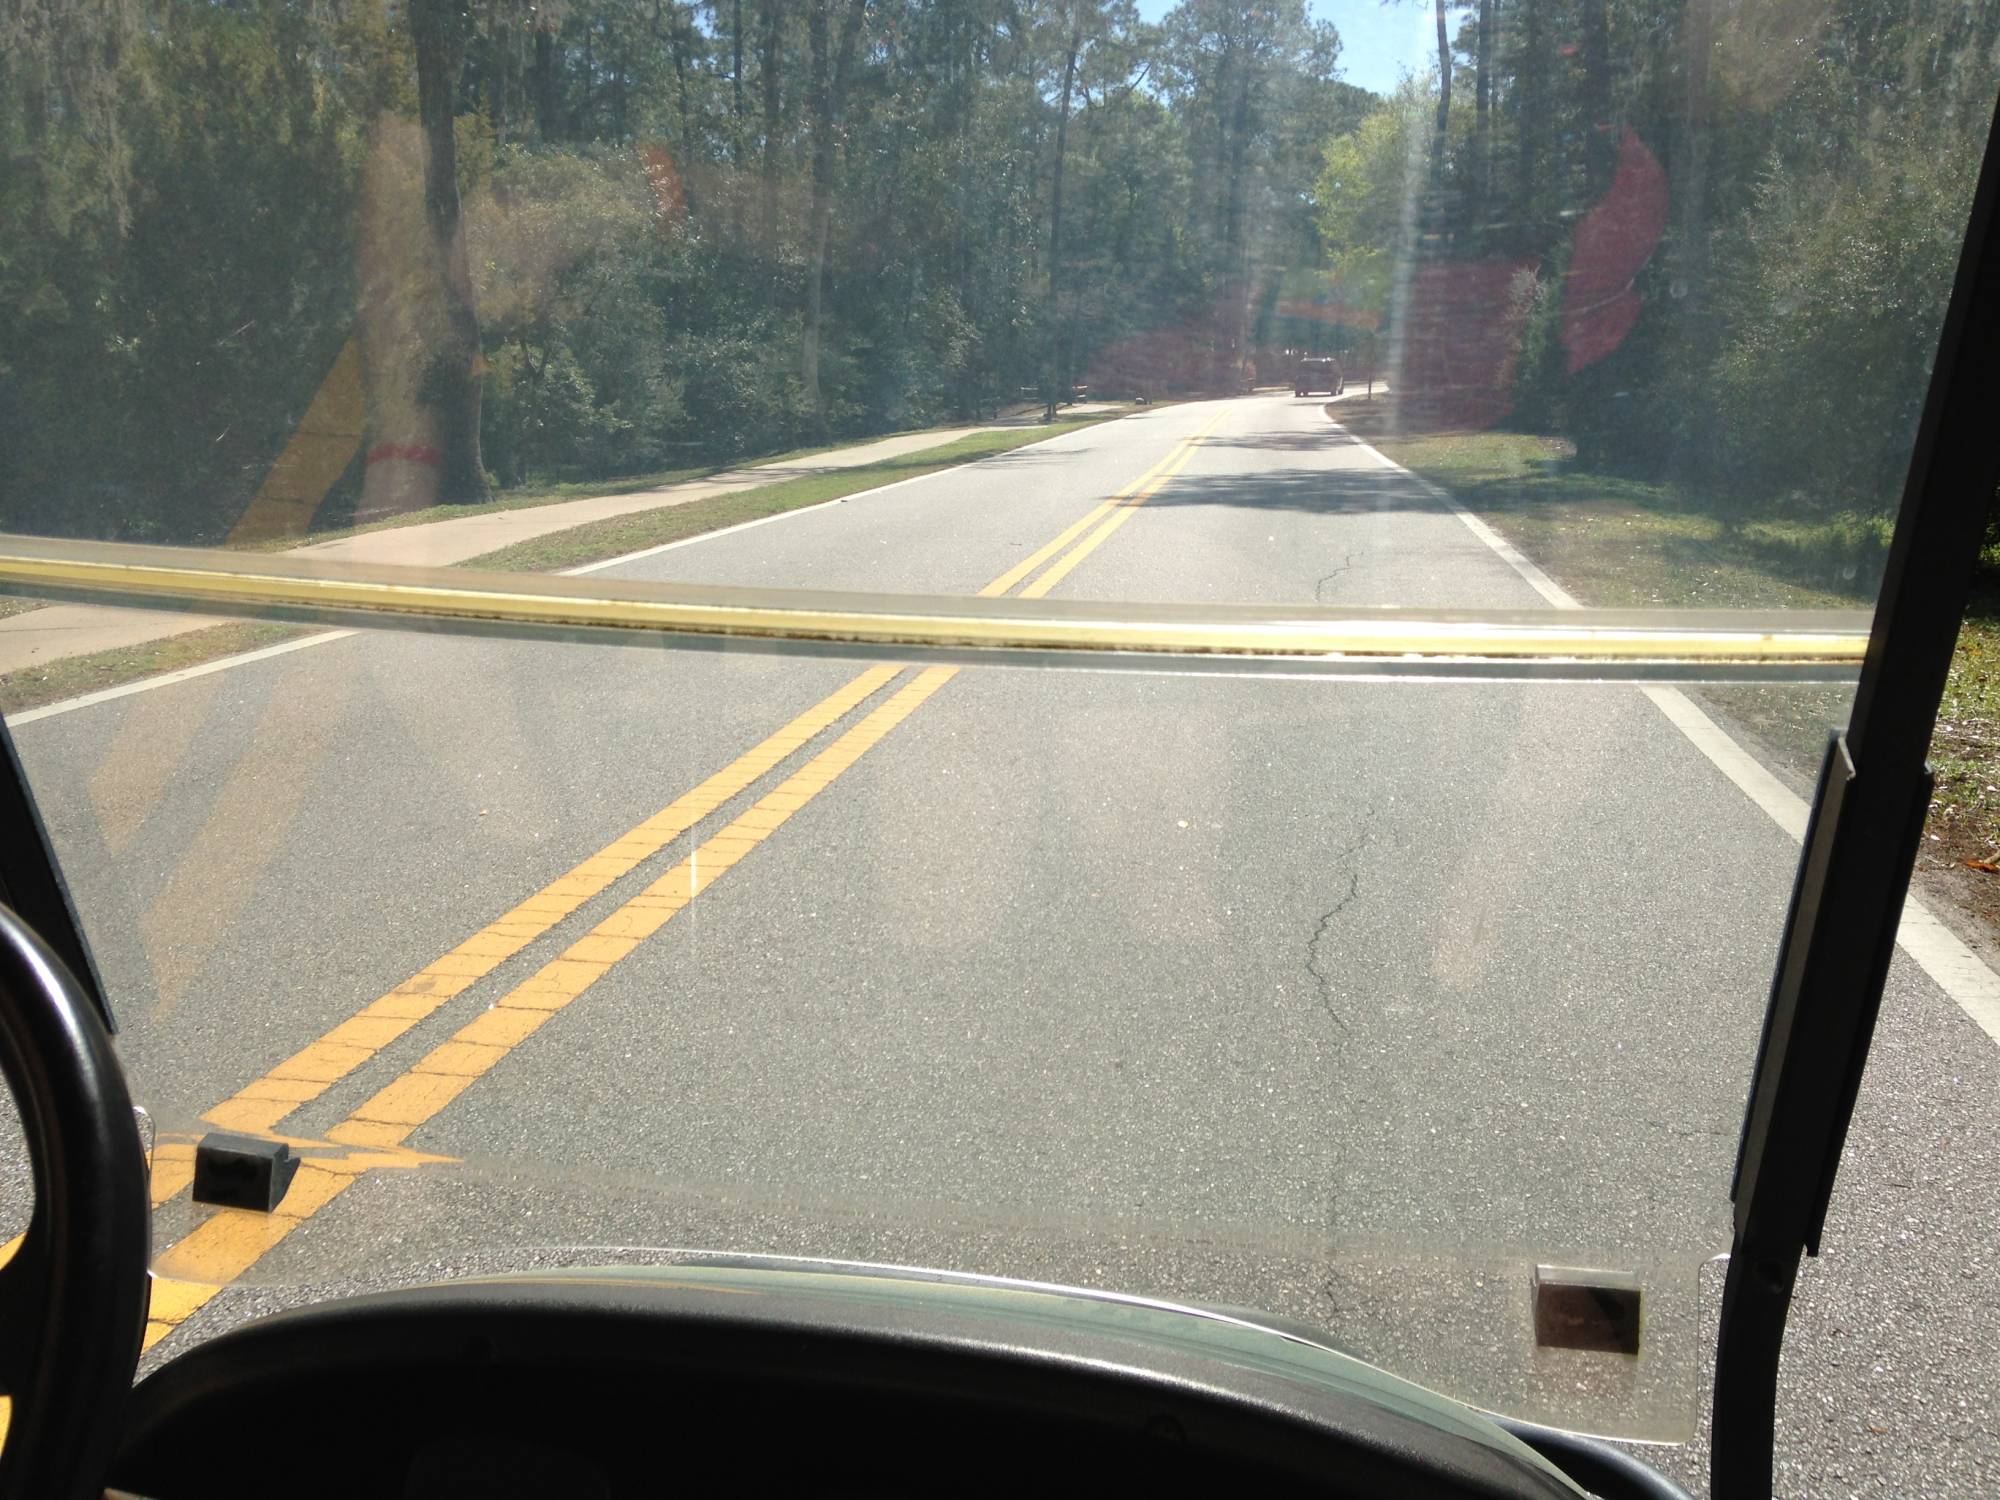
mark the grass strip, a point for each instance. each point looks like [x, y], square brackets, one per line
[73, 676]
[535, 494]
[597, 540]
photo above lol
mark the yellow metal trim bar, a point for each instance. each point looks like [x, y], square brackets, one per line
[292, 587]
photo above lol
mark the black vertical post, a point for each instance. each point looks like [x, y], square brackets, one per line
[31, 880]
[1847, 902]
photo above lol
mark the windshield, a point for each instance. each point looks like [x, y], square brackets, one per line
[1403, 489]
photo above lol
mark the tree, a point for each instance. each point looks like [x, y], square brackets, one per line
[770, 15]
[887, 212]
[1053, 379]
[1227, 64]
[1443, 88]
[826, 92]
[452, 379]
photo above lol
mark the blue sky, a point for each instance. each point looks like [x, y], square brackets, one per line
[1377, 42]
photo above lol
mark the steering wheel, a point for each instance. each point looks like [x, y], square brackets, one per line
[73, 1298]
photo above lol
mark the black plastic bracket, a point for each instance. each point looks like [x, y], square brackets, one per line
[242, 1171]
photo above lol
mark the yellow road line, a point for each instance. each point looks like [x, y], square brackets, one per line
[264, 1103]
[1035, 559]
[231, 1240]
[472, 1051]
[228, 1243]
[305, 1075]
[1121, 512]
[224, 1246]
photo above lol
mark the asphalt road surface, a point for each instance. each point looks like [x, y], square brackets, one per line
[1348, 1001]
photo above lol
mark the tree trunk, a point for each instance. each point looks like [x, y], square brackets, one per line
[453, 379]
[546, 118]
[1694, 325]
[736, 72]
[966, 97]
[677, 47]
[1445, 79]
[1482, 107]
[1600, 141]
[1235, 240]
[1693, 165]
[768, 80]
[397, 309]
[826, 88]
[1445, 115]
[1052, 382]
[498, 94]
[1532, 110]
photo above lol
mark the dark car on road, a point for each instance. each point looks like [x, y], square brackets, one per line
[1317, 375]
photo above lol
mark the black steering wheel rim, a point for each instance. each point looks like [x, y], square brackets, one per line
[73, 1298]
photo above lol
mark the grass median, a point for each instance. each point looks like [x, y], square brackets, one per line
[73, 676]
[69, 677]
[1614, 540]
[597, 540]
[536, 493]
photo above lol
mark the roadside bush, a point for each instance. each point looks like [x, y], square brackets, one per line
[741, 391]
[579, 383]
[1536, 373]
[1843, 553]
[151, 382]
[1840, 282]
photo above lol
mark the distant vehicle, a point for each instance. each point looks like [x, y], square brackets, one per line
[1318, 375]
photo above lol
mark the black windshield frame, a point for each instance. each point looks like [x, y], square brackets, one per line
[1854, 868]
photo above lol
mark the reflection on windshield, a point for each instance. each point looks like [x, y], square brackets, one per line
[1356, 1001]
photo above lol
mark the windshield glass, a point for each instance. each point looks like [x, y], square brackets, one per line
[1392, 986]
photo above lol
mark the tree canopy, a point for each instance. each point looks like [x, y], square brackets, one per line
[1705, 237]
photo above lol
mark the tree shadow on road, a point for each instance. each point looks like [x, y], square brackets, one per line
[1319, 440]
[1307, 491]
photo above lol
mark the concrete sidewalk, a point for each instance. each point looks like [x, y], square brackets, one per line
[37, 637]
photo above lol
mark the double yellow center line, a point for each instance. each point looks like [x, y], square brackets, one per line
[226, 1244]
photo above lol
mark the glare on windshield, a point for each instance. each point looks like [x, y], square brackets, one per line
[1405, 964]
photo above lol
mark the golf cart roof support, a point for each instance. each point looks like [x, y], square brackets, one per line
[1861, 842]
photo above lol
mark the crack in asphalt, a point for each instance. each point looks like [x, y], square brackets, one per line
[1319, 589]
[1322, 980]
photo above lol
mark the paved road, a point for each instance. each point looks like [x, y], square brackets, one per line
[54, 632]
[1350, 1001]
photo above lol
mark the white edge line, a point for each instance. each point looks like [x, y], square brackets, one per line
[168, 679]
[1536, 579]
[225, 663]
[707, 536]
[1951, 965]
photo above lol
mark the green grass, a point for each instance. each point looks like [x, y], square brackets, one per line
[1965, 748]
[550, 492]
[598, 540]
[72, 676]
[1620, 542]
